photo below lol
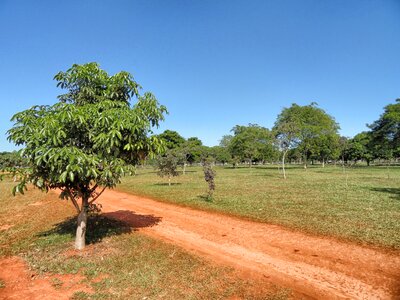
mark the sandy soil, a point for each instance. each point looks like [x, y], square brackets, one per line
[314, 267]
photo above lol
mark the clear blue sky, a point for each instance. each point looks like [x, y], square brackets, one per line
[214, 64]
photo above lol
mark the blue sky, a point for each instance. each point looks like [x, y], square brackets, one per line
[214, 64]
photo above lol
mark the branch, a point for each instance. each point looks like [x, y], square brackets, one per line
[93, 188]
[73, 200]
[97, 196]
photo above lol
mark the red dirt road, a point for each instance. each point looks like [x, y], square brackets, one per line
[311, 266]
[21, 284]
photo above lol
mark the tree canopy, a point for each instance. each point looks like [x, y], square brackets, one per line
[303, 127]
[252, 142]
[172, 139]
[385, 132]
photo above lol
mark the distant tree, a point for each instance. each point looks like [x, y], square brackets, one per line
[286, 131]
[385, 133]
[172, 139]
[294, 154]
[193, 150]
[325, 147]
[300, 126]
[220, 154]
[225, 141]
[209, 177]
[11, 160]
[251, 143]
[167, 165]
[344, 146]
[360, 148]
[86, 142]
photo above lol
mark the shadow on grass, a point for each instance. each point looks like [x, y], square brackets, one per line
[205, 198]
[166, 184]
[104, 225]
[395, 192]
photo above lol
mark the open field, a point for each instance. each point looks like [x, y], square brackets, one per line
[357, 204]
[118, 263]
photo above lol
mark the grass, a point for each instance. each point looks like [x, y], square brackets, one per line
[119, 262]
[357, 204]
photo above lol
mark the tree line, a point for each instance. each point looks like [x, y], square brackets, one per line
[301, 134]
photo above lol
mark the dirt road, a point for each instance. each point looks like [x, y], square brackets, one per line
[314, 267]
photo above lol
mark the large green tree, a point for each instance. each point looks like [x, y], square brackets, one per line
[11, 160]
[172, 139]
[301, 126]
[385, 132]
[84, 143]
[325, 147]
[360, 148]
[251, 143]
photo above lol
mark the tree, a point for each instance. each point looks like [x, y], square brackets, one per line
[286, 132]
[167, 165]
[325, 147]
[11, 160]
[300, 126]
[84, 143]
[172, 139]
[220, 154]
[251, 143]
[385, 132]
[359, 147]
[209, 176]
[225, 141]
[193, 150]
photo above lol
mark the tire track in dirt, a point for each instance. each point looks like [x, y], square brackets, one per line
[312, 266]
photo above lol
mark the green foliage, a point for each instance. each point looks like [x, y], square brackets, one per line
[251, 143]
[307, 127]
[89, 138]
[225, 141]
[88, 84]
[220, 154]
[209, 176]
[360, 147]
[325, 147]
[385, 132]
[11, 160]
[193, 150]
[167, 165]
[172, 139]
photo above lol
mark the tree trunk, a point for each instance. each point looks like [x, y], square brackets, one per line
[323, 163]
[305, 163]
[184, 168]
[80, 240]
[169, 180]
[283, 164]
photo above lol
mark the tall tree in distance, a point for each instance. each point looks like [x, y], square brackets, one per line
[360, 147]
[302, 126]
[172, 139]
[84, 143]
[251, 143]
[385, 132]
[167, 165]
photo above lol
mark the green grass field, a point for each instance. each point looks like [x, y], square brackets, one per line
[135, 266]
[358, 204]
